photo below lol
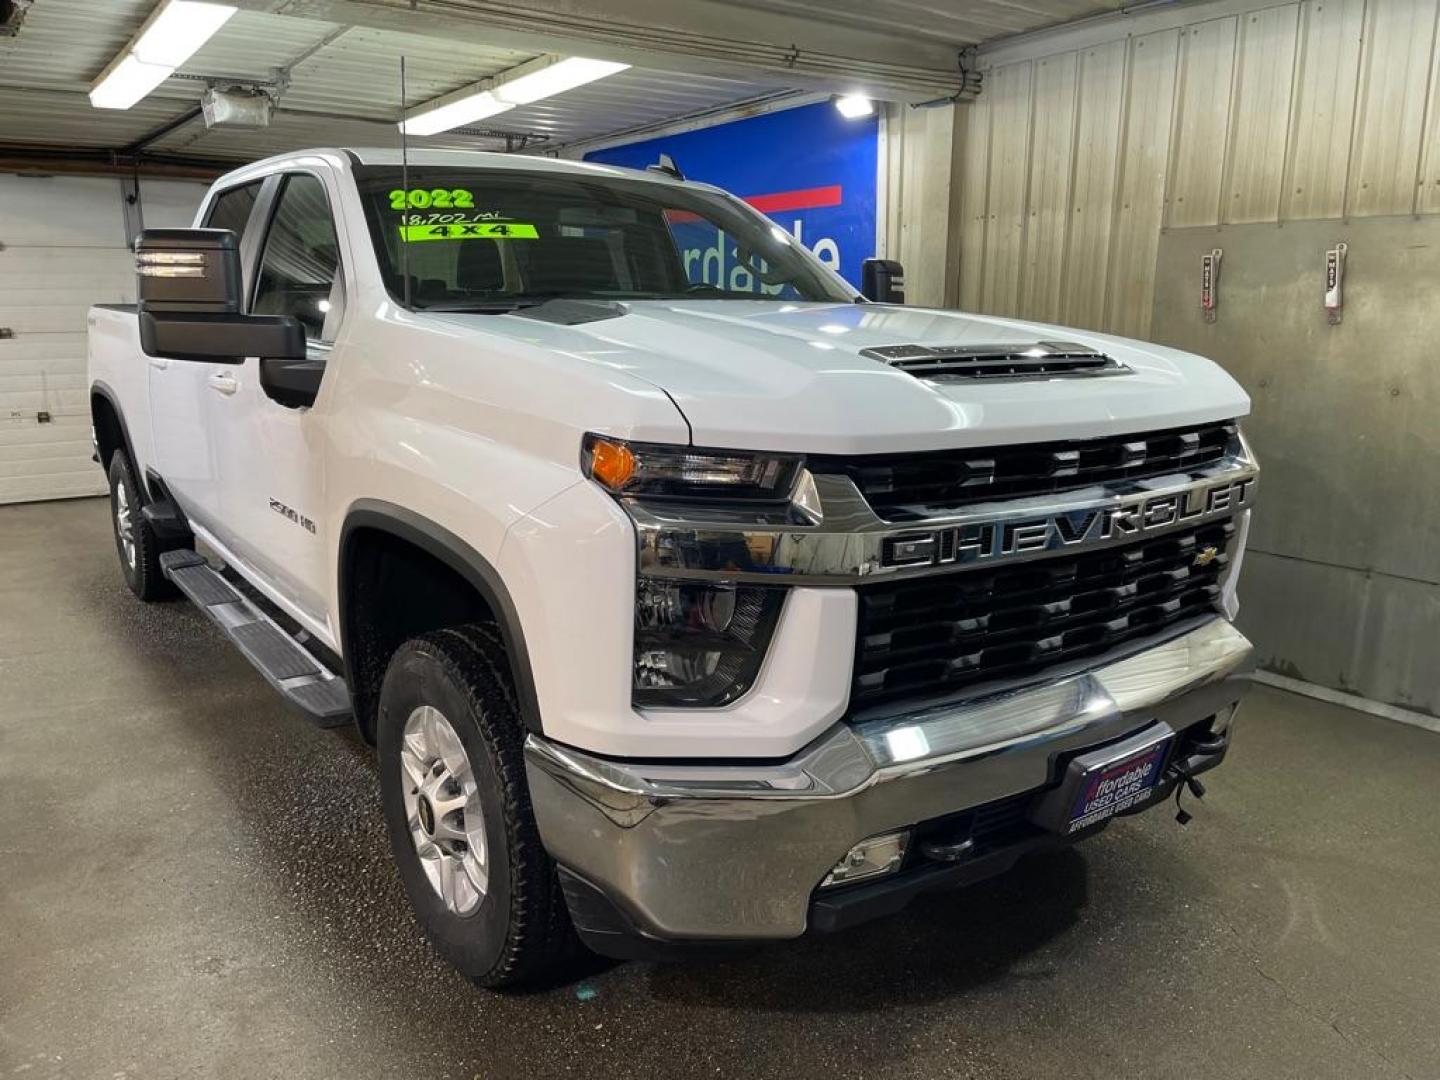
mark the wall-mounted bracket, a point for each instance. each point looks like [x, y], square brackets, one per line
[1210, 284]
[1334, 281]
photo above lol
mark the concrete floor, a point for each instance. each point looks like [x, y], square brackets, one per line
[195, 882]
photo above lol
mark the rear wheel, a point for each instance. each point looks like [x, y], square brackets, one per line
[452, 774]
[135, 541]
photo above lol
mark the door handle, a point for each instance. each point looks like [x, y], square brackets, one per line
[159, 363]
[226, 384]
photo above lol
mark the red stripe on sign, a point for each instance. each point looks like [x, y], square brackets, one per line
[804, 199]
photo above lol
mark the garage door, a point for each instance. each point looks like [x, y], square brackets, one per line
[62, 248]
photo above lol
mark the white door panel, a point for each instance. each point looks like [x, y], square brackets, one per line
[64, 211]
[188, 410]
[180, 422]
[273, 496]
[271, 453]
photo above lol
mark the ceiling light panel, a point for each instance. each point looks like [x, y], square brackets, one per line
[556, 79]
[525, 84]
[169, 37]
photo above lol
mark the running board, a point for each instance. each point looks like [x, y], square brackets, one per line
[287, 666]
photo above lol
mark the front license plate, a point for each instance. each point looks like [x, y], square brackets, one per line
[1107, 789]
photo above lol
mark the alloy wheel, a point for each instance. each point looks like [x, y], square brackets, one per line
[124, 525]
[442, 809]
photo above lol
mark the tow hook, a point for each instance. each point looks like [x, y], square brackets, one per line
[951, 851]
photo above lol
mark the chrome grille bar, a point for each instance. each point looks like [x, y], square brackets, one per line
[846, 542]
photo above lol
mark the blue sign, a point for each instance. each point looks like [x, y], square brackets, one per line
[810, 169]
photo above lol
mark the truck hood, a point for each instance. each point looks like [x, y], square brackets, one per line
[767, 375]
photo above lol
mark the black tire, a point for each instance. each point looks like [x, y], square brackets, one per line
[520, 934]
[140, 564]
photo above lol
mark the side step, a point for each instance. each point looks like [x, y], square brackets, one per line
[306, 683]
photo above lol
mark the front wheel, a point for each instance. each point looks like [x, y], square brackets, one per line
[452, 774]
[135, 541]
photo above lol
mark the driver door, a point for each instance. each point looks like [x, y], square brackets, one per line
[272, 440]
[182, 392]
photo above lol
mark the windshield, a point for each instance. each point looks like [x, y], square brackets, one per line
[493, 239]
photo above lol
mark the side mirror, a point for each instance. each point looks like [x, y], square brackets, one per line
[191, 306]
[883, 281]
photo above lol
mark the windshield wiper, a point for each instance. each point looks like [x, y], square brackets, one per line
[565, 309]
[708, 291]
[501, 305]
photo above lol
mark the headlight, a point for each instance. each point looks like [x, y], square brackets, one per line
[697, 645]
[700, 645]
[682, 472]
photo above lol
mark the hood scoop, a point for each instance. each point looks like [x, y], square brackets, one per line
[1029, 360]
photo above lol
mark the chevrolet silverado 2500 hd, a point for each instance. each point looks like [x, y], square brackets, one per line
[682, 610]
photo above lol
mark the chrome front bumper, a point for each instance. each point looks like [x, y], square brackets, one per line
[694, 852]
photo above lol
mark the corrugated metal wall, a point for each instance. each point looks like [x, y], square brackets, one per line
[1076, 158]
[918, 198]
[1342, 579]
[1102, 160]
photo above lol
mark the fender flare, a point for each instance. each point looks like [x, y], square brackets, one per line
[99, 388]
[455, 553]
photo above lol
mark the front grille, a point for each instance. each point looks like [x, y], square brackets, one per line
[909, 487]
[933, 637]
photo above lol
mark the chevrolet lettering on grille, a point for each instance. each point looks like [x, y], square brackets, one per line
[984, 540]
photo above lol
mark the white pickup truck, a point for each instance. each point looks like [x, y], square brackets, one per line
[682, 612]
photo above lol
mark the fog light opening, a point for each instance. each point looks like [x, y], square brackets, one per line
[875, 857]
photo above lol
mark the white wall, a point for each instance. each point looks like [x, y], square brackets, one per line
[64, 248]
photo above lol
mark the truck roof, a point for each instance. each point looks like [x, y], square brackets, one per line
[391, 155]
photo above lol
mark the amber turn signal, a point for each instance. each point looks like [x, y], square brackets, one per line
[611, 463]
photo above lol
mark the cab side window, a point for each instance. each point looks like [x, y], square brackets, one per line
[231, 209]
[300, 270]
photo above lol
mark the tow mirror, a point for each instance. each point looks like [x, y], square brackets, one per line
[883, 281]
[191, 301]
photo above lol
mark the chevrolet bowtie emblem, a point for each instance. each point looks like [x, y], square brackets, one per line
[1206, 556]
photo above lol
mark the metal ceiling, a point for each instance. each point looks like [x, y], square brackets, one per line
[953, 22]
[338, 83]
[335, 85]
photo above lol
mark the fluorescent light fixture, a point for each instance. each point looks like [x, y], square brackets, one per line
[453, 114]
[169, 37]
[854, 106]
[126, 83]
[520, 86]
[558, 77]
[178, 30]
